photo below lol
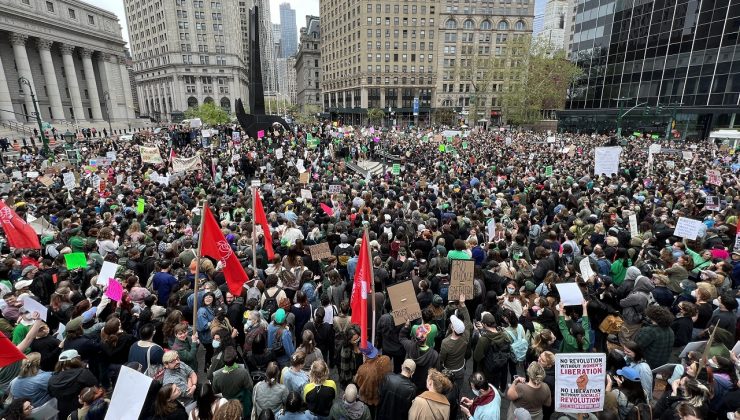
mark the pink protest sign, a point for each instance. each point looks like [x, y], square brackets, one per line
[260, 134]
[114, 290]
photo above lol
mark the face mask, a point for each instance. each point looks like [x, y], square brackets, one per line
[216, 344]
[476, 392]
[510, 290]
[249, 323]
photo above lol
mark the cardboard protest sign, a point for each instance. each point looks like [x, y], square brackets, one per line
[186, 164]
[607, 160]
[75, 260]
[306, 194]
[580, 382]
[303, 177]
[714, 177]
[461, 279]
[319, 251]
[712, 203]
[570, 293]
[403, 303]
[150, 155]
[129, 395]
[335, 189]
[688, 228]
[45, 180]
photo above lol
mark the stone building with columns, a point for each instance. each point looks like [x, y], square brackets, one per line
[72, 55]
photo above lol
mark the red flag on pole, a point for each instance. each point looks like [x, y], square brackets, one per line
[172, 155]
[360, 290]
[19, 233]
[328, 210]
[261, 219]
[9, 353]
[214, 245]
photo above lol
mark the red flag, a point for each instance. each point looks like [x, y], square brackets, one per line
[172, 154]
[360, 289]
[9, 353]
[328, 210]
[19, 233]
[261, 219]
[214, 245]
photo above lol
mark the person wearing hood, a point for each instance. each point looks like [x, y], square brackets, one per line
[633, 307]
[370, 374]
[417, 349]
[501, 342]
[349, 407]
[69, 378]
[656, 339]
[629, 282]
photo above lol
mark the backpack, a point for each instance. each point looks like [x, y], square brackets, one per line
[519, 346]
[444, 286]
[277, 345]
[290, 278]
[641, 411]
[496, 358]
[271, 304]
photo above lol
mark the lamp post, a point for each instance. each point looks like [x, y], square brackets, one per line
[621, 115]
[106, 95]
[45, 150]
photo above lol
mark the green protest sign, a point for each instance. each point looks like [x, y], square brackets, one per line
[655, 136]
[441, 147]
[449, 139]
[75, 260]
[465, 145]
[396, 169]
[140, 206]
[637, 134]
[548, 171]
[425, 139]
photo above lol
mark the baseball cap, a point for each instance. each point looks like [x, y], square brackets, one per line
[629, 374]
[488, 318]
[409, 365]
[68, 355]
[370, 351]
[22, 284]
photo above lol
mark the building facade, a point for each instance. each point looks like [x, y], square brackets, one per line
[288, 31]
[186, 55]
[554, 26]
[71, 54]
[668, 67]
[308, 64]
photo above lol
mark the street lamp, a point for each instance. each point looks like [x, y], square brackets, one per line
[69, 137]
[106, 95]
[45, 150]
[621, 115]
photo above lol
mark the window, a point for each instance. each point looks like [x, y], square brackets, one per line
[519, 26]
[468, 24]
[91, 19]
[50, 7]
[28, 2]
[72, 14]
[486, 25]
[503, 26]
[451, 24]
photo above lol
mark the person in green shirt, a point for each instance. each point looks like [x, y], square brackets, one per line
[619, 266]
[577, 338]
[426, 319]
[460, 252]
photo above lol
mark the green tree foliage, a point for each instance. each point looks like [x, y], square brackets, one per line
[478, 72]
[304, 115]
[375, 115]
[444, 116]
[209, 113]
[536, 79]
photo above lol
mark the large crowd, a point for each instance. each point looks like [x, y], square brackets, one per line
[526, 208]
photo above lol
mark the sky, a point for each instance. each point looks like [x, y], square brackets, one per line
[302, 8]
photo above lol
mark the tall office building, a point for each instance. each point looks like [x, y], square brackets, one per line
[72, 56]
[680, 59]
[308, 64]
[554, 27]
[289, 31]
[276, 39]
[186, 55]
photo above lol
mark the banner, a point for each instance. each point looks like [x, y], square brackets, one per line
[186, 164]
[580, 382]
[150, 155]
[688, 228]
[607, 160]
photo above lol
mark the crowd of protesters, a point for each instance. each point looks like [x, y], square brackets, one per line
[525, 207]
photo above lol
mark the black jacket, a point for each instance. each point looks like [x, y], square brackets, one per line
[682, 330]
[66, 385]
[397, 392]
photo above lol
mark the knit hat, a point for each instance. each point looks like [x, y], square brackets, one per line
[280, 316]
[457, 325]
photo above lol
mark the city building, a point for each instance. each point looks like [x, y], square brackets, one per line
[286, 80]
[289, 31]
[132, 81]
[554, 26]
[276, 38]
[308, 64]
[664, 67]
[71, 56]
[476, 43]
[186, 55]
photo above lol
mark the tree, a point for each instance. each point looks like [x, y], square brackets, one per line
[445, 116]
[536, 79]
[304, 115]
[209, 114]
[477, 72]
[375, 115]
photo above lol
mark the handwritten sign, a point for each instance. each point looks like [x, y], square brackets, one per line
[303, 177]
[580, 382]
[320, 251]
[396, 169]
[70, 182]
[712, 203]
[186, 164]
[607, 160]
[150, 155]
[461, 279]
[306, 194]
[688, 228]
[570, 293]
[45, 180]
[633, 225]
[403, 303]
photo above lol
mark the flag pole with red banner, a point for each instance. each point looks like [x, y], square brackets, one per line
[362, 284]
[372, 279]
[197, 265]
[18, 233]
[254, 228]
[259, 217]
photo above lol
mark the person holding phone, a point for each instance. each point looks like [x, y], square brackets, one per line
[487, 402]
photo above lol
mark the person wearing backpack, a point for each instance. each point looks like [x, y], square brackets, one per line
[272, 296]
[491, 354]
[630, 396]
[280, 339]
[519, 343]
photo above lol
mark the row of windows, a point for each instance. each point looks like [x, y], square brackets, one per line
[396, 45]
[397, 9]
[72, 13]
[396, 69]
[198, 4]
[486, 25]
[404, 57]
[404, 33]
[397, 21]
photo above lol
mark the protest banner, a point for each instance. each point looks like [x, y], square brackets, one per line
[688, 228]
[75, 260]
[186, 164]
[580, 382]
[319, 251]
[607, 160]
[150, 155]
[712, 203]
[335, 189]
[714, 177]
[129, 395]
[403, 303]
[461, 279]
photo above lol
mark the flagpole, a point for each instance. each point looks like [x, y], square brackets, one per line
[254, 230]
[372, 278]
[197, 264]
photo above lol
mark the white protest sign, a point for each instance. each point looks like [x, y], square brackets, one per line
[34, 306]
[17, 175]
[580, 382]
[108, 271]
[585, 267]
[688, 228]
[335, 189]
[737, 242]
[150, 155]
[670, 164]
[607, 160]
[129, 395]
[712, 203]
[654, 148]
[633, 225]
[32, 174]
[299, 165]
[687, 155]
[111, 155]
[570, 293]
[279, 153]
[186, 164]
[69, 180]
[491, 230]
[196, 123]
[306, 194]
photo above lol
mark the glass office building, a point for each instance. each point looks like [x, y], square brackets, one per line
[677, 62]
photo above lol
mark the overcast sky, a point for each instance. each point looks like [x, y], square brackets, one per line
[302, 8]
